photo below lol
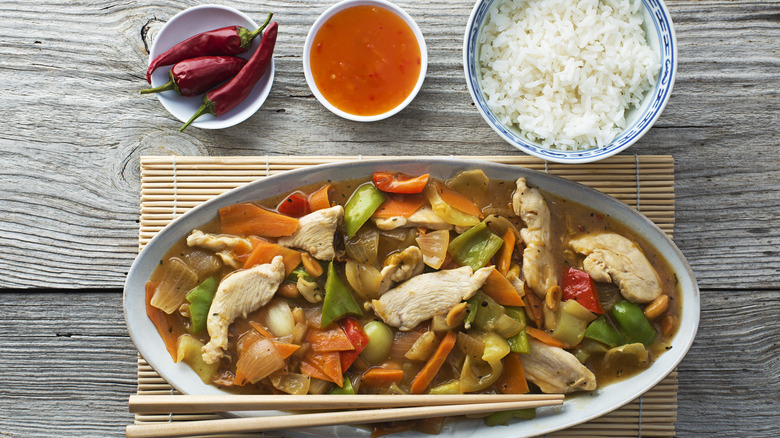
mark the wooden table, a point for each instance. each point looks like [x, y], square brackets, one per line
[73, 129]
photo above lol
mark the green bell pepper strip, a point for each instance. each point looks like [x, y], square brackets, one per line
[519, 342]
[473, 303]
[601, 330]
[475, 247]
[200, 299]
[346, 389]
[632, 321]
[503, 417]
[360, 206]
[338, 299]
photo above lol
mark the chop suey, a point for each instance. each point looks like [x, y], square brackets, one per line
[408, 284]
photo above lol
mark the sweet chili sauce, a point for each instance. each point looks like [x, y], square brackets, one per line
[365, 60]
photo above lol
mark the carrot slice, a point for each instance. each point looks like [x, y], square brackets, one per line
[458, 201]
[310, 370]
[543, 336]
[248, 219]
[319, 199]
[429, 370]
[285, 349]
[381, 377]
[512, 380]
[332, 339]
[264, 252]
[496, 286]
[260, 329]
[505, 253]
[168, 332]
[400, 205]
[329, 362]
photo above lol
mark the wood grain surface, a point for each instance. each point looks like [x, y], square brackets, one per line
[73, 129]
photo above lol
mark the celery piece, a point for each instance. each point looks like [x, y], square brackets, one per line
[503, 417]
[360, 206]
[338, 300]
[488, 312]
[519, 342]
[475, 247]
[346, 389]
[200, 299]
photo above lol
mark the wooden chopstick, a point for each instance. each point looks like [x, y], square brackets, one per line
[294, 421]
[192, 404]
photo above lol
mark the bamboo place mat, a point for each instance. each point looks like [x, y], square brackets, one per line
[172, 185]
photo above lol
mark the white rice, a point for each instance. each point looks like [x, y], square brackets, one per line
[565, 72]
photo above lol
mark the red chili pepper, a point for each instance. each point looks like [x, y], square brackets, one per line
[230, 40]
[357, 336]
[399, 182]
[228, 95]
[295, 205]
[195, 76]
[577, 285]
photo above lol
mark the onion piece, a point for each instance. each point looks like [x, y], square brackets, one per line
[363, 248]
[202, 262]
[364, 279]
[402, 342]
[258, 361]
[178, 280]
[291, 383]
[434, 247]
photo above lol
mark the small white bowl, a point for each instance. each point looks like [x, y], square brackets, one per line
[193, 21]
[661, 38]
[346, 4]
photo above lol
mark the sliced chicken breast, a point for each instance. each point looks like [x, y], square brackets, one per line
[555, 370]
[539, 267]
[215, 242]
[426, 295]
[239, 294]
[424, 217]
[315, 233]
[401, 266]
[613, 258]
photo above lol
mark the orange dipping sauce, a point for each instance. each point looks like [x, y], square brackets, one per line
[365, 60]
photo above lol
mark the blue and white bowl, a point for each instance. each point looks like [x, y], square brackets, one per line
[660, 36]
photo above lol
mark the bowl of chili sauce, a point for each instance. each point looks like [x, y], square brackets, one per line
[365, 60]
[194, 21]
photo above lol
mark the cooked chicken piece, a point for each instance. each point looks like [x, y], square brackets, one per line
[555, 370]
[426, 295]
[539, 267]
[221, 244]
[424, 217]
[315, 233]
[400, 267]
[613, 258]
[239, 294]
[215, 242]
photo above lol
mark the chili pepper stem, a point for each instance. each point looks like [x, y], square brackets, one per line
[247, 37]
[170, 85]
[206, 107]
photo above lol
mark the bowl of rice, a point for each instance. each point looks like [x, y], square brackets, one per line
[570, 82]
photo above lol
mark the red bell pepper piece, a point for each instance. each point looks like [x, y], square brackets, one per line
[231, 40]
[399, 182]
[577, 285]
[357, 336]
[295, 205]
[195, 76]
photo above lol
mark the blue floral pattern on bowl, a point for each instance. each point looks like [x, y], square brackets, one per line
[659, 28]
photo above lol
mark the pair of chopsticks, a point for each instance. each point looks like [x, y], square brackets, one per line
[340, 410]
